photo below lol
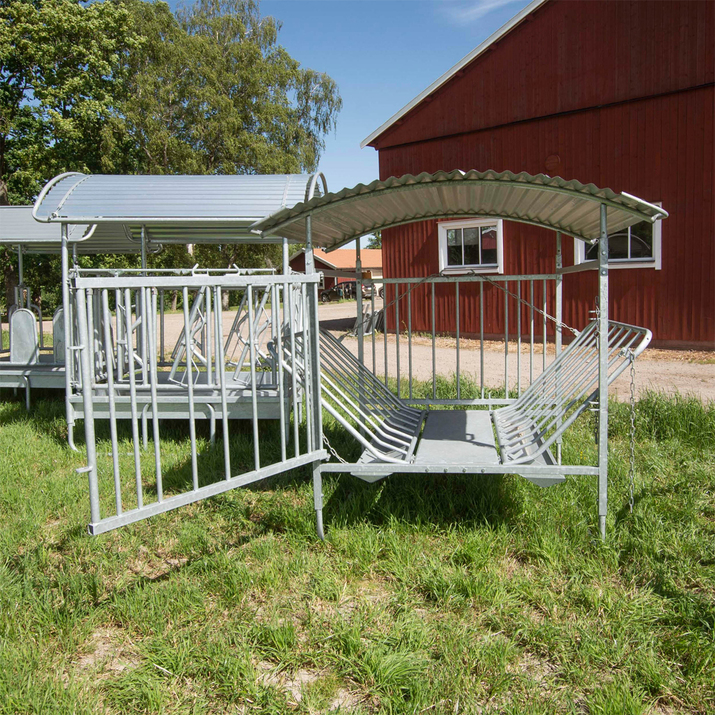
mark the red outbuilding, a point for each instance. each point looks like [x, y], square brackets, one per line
[618, 94]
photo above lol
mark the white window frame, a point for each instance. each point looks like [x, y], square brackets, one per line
[442, 227]
[579, 251]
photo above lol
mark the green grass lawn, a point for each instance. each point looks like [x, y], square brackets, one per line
[430, 595]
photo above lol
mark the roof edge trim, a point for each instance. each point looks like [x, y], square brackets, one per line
[46, 189]
[503, 30]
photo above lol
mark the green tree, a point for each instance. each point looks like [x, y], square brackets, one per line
[375, 241]
[62, 67]
[212, 92]
[126, 86]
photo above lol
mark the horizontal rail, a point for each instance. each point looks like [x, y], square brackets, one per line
[191, 281]
[219, 487]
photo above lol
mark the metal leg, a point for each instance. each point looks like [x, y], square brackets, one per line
[318, 500]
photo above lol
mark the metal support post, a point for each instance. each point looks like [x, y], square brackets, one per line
[315, 413]
[559, 318]
[603, 373]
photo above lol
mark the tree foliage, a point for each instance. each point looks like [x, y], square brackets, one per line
[375, 241]
[127, 86]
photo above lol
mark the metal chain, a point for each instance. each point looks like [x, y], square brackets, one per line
[559, 323]
[632, 467]
[331, 449]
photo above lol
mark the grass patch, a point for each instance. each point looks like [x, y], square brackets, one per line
[432, 594]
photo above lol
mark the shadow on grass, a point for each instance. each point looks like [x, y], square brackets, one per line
[439, 500]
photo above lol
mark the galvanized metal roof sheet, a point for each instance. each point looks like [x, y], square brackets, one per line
[567, 206]
[19, 228]
[173, 206]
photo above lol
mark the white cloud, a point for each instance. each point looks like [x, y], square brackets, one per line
[465, 12]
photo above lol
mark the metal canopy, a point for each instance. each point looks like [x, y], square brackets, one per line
[174, 209]
[554, 203]
[19, 229]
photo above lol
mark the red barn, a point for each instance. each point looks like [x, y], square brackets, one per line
[618, 94]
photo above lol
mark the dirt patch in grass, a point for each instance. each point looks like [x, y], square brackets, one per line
[107, 651]
[154, 566]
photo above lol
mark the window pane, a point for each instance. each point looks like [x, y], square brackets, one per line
[471, 246]
[454, 255]
[618, 245]
[642, 240]
[591, 252]
[454, 246]
[489, 244]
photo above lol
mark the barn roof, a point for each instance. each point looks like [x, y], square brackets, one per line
[174, 208]
[554, 203]
[476, 52]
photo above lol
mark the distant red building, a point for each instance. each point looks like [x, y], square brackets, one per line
[619, 94]
[341, 260]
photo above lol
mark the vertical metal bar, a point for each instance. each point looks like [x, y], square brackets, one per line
[603, 374]
[531, 333]
[209, 346]
[309, 406]
[409, 337]
[275, 309]
[112, 406]
[558, 333]
[90, 345]
[543, 366]
[143, 326]
[189, 351]
[133, 395]
[121, 340]
[506, 339]
[373, 328]
[360, 326]
[154, 380]
[481, 337]
[293, 365]
[384, 332]
[254, 397]
[316, 416]
[66, 317]
[456, 302]
[358, 291]
[221, 361]
[161, 326]
[88, 406]
[397, 334]
[434, 351]
[518, 339]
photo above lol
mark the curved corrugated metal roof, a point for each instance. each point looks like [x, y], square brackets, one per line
[172, 206]
[18, 228]
[567, 206]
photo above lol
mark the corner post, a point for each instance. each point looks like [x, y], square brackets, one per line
[558, 336]
[313, 400]
[603, 373]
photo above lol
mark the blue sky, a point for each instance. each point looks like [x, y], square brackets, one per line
[382, 53]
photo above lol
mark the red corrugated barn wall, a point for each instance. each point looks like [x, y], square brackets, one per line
[619, 94]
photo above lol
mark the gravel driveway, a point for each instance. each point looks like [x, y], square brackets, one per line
[687, 372]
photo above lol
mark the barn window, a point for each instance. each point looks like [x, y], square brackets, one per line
[637, 246]
[470, 246]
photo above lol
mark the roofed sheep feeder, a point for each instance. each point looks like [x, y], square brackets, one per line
[514, 435]
[219, 367]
